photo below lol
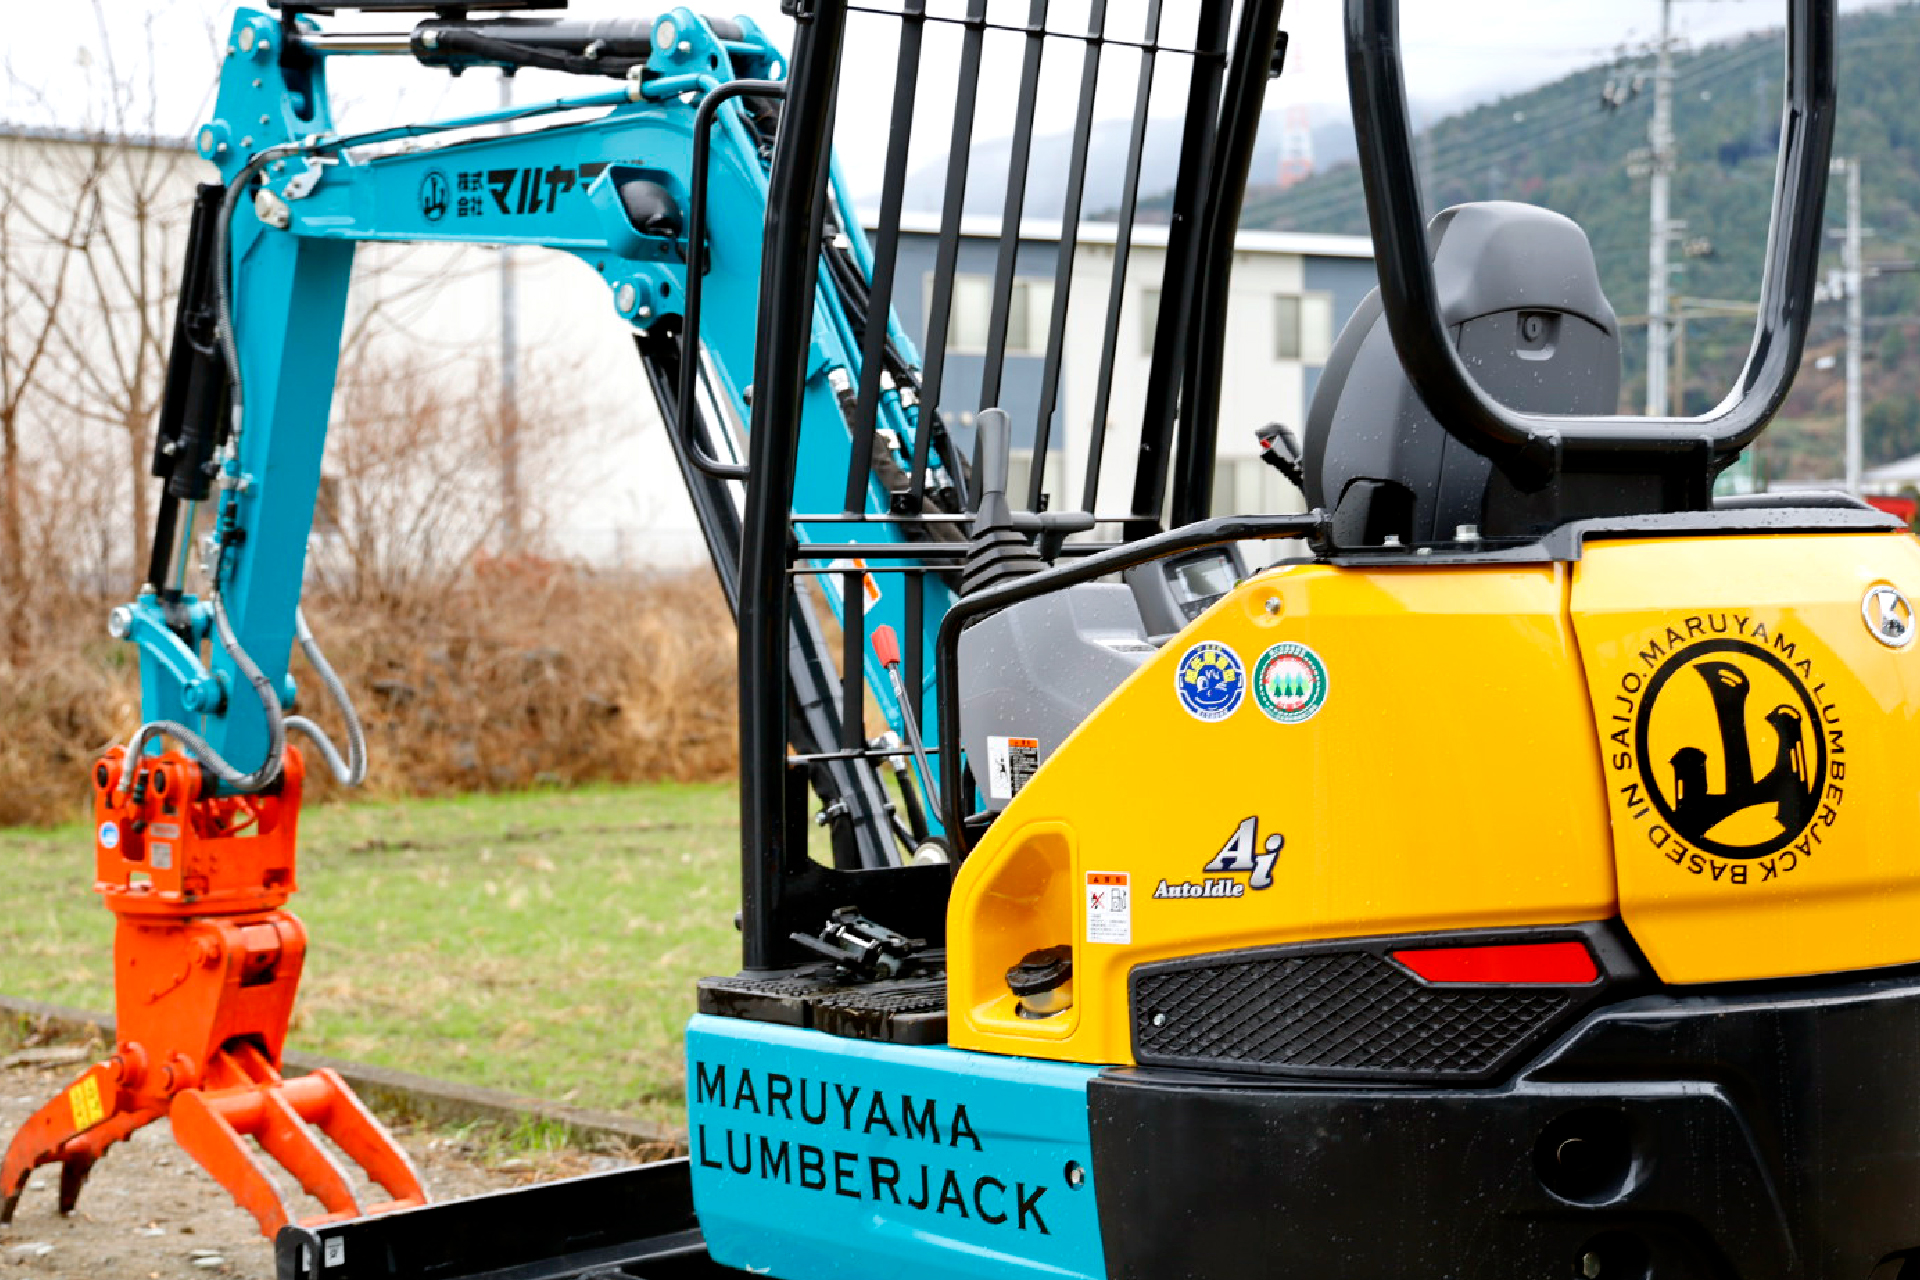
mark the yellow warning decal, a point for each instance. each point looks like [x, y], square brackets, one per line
[84, 1098]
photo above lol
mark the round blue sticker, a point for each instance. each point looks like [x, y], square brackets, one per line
[1211, 681]
[109, 836]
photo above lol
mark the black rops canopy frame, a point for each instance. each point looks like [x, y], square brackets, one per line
[1661, 464]
[1228, 50]
[1535, 449]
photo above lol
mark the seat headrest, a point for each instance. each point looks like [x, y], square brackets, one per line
[1521, 297]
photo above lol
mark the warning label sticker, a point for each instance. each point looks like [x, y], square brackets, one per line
[1109, 907]
[1010, 762]
[870, 585]
[83, 1100]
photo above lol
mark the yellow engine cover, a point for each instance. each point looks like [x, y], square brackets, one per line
[1342, 752]
[1441, 774]
[1760, 745]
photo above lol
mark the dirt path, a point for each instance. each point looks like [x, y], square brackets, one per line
[150, 1213]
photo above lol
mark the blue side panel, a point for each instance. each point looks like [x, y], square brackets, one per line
[816, 1157]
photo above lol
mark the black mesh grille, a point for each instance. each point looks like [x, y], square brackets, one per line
[1354, 1014]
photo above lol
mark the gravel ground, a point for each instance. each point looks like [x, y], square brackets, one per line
[149, 1213]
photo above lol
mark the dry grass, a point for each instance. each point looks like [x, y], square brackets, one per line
[519, 673]
[69, 698]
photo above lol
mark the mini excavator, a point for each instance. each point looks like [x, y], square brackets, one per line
[1207, 940]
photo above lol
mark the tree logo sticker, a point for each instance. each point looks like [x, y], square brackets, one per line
[1290, 683]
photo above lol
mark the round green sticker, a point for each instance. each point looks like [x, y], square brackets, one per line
[1290, 683]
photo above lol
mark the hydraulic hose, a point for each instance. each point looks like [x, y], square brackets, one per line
[195, 745]
[352, 771]
[222, 273]
[198, 747]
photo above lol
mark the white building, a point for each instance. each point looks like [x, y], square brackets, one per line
[1289, 295]
[614, 494]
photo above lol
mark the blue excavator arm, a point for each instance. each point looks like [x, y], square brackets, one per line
[667, 167]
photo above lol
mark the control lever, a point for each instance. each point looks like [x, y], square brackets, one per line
[999, 552]
[1051, 529]
[995, 447]
[1280, 449]
[857, 943]
[886, 647]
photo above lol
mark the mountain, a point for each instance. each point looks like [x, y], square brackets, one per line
[1330, 127]
[1558, 146]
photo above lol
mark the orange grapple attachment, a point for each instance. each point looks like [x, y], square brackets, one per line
[206, 964]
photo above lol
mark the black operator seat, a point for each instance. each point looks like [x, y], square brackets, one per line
[1521, 298]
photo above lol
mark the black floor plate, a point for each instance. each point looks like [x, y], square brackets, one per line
[824, 998]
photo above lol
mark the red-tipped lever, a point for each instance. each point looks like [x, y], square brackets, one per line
[886, 646]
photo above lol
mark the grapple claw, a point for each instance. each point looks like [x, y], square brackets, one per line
[206, 963]
[73, 1175]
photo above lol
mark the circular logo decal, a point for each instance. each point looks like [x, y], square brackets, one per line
[1290, 683]
[1211, 681]
[1731, 748]
[109, 836]
[435, 195]
[1888, 616]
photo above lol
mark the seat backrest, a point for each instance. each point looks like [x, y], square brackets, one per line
[1521, 298]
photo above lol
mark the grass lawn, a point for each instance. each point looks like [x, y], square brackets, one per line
[544, 943]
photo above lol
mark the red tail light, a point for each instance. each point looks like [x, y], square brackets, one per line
[1555, 963]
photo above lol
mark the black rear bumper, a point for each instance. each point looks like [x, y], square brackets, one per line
[1754, 1133]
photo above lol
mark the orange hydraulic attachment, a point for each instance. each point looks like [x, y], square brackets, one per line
[205, 968]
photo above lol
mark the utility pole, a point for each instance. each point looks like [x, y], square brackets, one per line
[512, 519]
[1679, 381]
[1856, 322]
[1659, 228]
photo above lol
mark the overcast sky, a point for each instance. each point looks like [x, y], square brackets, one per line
[60, 55]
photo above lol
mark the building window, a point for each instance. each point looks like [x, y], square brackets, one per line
[1303, 327]
[1316, 328]
[1245, 486]
[1226, 488]
[1286, 328]
[1029, 311]
[1020, 476]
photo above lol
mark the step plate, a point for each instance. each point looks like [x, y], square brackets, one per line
[822, 997]
[603, 1224]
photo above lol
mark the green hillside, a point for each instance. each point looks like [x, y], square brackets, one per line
[1558, 146]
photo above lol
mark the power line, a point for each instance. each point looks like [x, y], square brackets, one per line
[1718, 62]
[1463, 157]
[1714, 63]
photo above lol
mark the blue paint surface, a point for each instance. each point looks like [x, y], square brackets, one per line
[548, 188]
[817, 1157]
